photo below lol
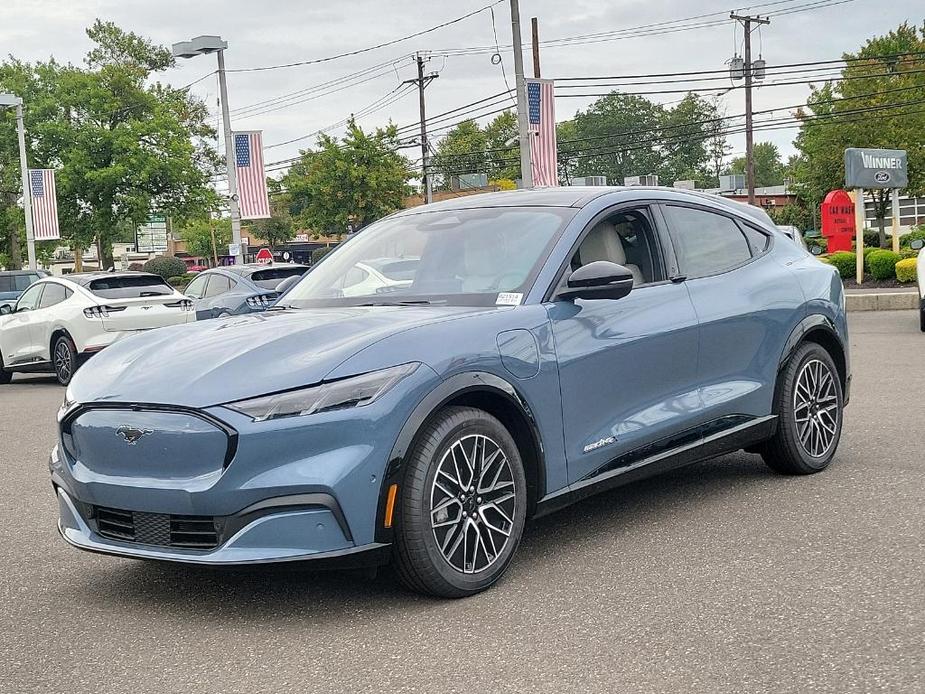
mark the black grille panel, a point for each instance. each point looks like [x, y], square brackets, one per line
[190, 532]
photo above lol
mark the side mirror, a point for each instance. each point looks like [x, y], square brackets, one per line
[6, 310]
[816, 250]
[598, 280]
[917, 244]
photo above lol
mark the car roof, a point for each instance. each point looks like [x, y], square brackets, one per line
[27, 271]
[85, 278]
[579, 196]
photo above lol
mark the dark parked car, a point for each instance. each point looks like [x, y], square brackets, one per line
[237, 289]
[548, 344]
[15, 282]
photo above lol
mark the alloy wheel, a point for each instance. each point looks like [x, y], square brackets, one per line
[816, 408]
[63, 361]
[473, 503]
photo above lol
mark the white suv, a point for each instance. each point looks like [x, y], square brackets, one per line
[917, 244]
[59, 321]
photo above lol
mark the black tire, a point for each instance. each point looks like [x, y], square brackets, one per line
[420, 562]
[922, 315]
[5, 376]
[64, 359]
[805, 444]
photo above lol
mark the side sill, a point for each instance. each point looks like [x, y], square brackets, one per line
[720, 443]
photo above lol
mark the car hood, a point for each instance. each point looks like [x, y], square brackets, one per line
[218, 361]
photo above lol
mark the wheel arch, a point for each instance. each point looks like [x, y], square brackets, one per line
[821, 330]
[484, 391]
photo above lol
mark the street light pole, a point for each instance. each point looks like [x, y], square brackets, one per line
[229, 161]
[13, 100]
[526, 161]
[203, 45]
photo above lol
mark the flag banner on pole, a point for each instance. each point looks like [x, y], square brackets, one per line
[44, 204]
[253, 200]
[541, 106]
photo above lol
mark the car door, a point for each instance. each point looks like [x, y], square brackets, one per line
[627, 367]
[195, 291]
[18, 346]
[746, 304]
[214, 301]
[44, 316]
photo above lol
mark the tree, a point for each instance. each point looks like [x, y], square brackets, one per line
[769, 169]
[461, 151]
[197, 234]
[689, 133]
[122, 146]
[279, 228]
[349, 183]
[874, 105]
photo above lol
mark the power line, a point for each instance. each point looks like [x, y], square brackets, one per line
[371, 48]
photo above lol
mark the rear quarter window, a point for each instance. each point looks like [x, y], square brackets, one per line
[129, 287]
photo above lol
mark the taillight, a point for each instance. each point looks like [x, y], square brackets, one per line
[182, 304]
[102, 311]
[261, 301]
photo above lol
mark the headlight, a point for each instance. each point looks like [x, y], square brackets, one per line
[355, 391]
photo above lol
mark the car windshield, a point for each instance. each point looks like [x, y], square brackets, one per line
[129, 286]
[453, 257]
[271, 278]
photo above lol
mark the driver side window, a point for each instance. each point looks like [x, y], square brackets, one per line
[626, 238]
[30, 298]
[196, 287]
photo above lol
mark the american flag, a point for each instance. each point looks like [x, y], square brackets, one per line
[541, 106]
[44, 204]
[252, 180]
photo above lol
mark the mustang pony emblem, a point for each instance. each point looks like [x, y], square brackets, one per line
[132, 434]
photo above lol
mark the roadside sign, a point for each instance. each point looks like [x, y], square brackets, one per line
[234, 249]
[838, 220]
[151, 237]
[876, 168]
[264, 256]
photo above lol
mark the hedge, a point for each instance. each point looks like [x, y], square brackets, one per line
[917, 233]
[181, 281]
[166, 266]
[845, 262]
[319, 253]
[883, 264]
[906, 270]
[867, 251]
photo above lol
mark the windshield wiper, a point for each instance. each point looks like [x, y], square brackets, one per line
[413, 302]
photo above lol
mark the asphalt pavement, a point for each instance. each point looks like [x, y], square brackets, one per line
[721, 577]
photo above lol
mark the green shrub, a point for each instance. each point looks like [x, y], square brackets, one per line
[917, 233]
[871, 239]
[813, 242]
[181, 281]
[906, 270]
[908, 253]
[319, 253]
[845, 262]
[166, 266]
[867, 251]
[883, 264]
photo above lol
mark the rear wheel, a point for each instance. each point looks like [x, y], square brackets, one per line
[64, 359]
[809, 407]
[5, 376]
[463, 505]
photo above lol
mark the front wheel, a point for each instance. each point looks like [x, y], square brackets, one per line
[64, 358]
[462, 507]
[5, 376]
[810, 408]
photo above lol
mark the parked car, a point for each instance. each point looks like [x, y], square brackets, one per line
[917, 244]
[237, 289]
[550, 344]
[794, 234]
[15, 282]
[58, 322]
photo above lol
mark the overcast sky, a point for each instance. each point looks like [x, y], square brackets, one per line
[283, 31]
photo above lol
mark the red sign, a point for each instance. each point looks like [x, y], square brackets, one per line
[838, 220]
[264, 256]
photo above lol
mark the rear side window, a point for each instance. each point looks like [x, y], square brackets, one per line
[706, 243]
[218, 284]
[197, 286]
[54, 294]
[129, 287]
[758, 241]
[272, 277]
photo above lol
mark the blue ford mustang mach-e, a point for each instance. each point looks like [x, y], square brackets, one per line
[547, 345]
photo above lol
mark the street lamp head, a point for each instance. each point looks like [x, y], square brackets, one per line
[201, 45]
[10, 100]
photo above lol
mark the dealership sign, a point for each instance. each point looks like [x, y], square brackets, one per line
[876, 168]
[838, 220]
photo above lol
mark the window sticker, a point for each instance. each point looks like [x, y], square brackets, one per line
[509, 299]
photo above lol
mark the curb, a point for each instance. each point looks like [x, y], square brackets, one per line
[886, 301]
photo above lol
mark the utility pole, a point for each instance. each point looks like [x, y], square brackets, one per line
[535, 32]
[230, 161]
[16, 102]
[747, 22]
[422, 81]
[526, 160]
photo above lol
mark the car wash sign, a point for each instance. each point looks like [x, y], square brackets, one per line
[876, 168]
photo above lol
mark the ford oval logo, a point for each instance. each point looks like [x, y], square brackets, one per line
[882, 176]
[132, 434]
